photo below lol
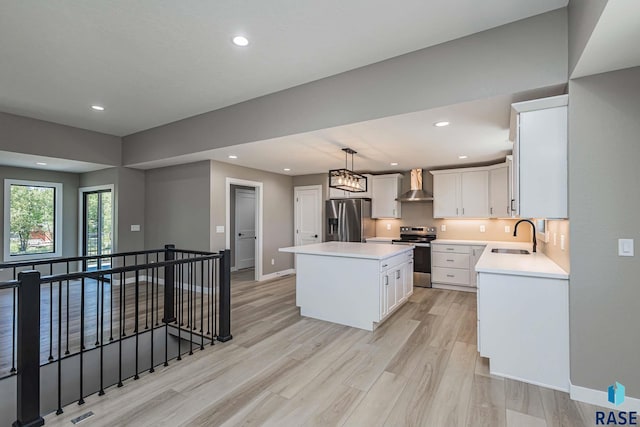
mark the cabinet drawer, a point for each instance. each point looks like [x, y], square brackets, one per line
[450, 260]
[385, 264]
[455, 276]
[458, 249]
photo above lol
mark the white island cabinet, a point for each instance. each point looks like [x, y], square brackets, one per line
[353, 284]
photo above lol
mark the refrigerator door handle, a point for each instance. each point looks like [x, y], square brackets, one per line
[339, 222]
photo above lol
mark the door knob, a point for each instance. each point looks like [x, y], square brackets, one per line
[315, 236]
[239, 234]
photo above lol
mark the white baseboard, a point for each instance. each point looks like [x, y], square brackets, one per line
[599, 398]
[277, 274]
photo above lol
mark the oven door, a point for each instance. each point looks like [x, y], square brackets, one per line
[421, 263]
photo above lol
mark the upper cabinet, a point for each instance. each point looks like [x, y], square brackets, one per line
[461, 193]
[540, 158]
[385, 191]
[499, 194]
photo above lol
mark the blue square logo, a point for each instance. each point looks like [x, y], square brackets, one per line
[616, 393]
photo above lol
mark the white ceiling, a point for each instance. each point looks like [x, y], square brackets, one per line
[478, 129]
[30, 161]
[613, 44]
[150, 62]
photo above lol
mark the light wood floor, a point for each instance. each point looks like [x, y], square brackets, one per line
[420, 368]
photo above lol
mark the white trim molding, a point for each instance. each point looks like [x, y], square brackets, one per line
[259, 218]
[599, 398]
[276, 274]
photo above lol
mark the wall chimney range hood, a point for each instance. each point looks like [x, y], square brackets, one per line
[416, 194]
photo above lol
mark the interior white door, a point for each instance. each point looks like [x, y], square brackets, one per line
[308, 214]
[245, 228]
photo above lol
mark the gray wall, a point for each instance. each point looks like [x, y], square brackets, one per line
[604, 199]
[30, 136]
[520, 56]
[177, 206]
[583, 17]
[278, 211]
[129, 203]
[70, 183]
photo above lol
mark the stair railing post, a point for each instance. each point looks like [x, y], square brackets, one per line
[169, 290]
[224, 301]
[28, 354]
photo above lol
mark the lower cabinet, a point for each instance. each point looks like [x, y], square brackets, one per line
[453, 266]
[523, 328]
[396, 282]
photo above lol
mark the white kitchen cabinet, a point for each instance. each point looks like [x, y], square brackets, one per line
[453, 265]
[540, 158]
[385, 191]
[461, 193]
[396, 283]
[474, 256]
[499, 196]
[523, 328]
[445, 195]
[334, 193]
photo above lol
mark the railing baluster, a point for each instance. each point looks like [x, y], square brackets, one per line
[66, 353]
[13, 330]
[81, 400]
[101, 282]
[59, 410]
[121, 330]
[50, 321]
[111, 301]
[201, 305]
[190, 305]
[137, 297]
[123, 289]
[152, 328]
[146, 295]
[97, 280]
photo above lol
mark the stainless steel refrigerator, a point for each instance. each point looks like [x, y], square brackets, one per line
[349, 220]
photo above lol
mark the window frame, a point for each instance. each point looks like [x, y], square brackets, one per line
[58, 219]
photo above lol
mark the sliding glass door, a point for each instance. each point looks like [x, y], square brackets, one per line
[97, 236]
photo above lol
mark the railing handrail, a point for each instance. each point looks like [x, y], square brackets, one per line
[77, 258]
[101, 273]
[9, 284]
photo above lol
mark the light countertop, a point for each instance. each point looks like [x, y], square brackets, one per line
[535, 264]
[349, 250]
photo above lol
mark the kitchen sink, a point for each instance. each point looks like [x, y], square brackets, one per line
[510, 251]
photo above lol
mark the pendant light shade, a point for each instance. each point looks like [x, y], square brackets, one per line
[346, 179]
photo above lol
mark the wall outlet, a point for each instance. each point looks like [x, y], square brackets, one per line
[388, 226]
[273, 261]
[443, 227]
[482, 229]
[507, 229]
[135, 227]
[562, 242]
[219, 228]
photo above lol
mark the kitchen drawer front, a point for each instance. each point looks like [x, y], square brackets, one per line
[456, 249]
[385, 264]
[455, 276]
[452, 260]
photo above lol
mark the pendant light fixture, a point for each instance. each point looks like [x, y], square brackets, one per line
[346, 179]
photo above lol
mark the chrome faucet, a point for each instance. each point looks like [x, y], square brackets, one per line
[515, 231]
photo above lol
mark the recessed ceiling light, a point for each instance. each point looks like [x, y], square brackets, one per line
[441, 124]
[240, 41]
[462, 157]
[98, 107]
[394, 163]
[232, 156]
[286, 169]
[41, 163]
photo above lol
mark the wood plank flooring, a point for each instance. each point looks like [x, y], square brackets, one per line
[419, 368]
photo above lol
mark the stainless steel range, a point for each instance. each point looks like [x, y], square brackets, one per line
[420, 238]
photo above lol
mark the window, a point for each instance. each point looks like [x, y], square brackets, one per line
[32, 220]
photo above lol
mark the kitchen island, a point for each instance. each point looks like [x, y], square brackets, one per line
[353, 284]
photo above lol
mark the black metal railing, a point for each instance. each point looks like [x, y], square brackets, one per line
[107, 325]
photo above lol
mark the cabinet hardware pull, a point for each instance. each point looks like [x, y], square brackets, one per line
[449, 260]
[462, 211]
[450, 275]
[386, 280]
[456, 211]
[397, 274]
[384, 265]
[449, 249]
[491, 211]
